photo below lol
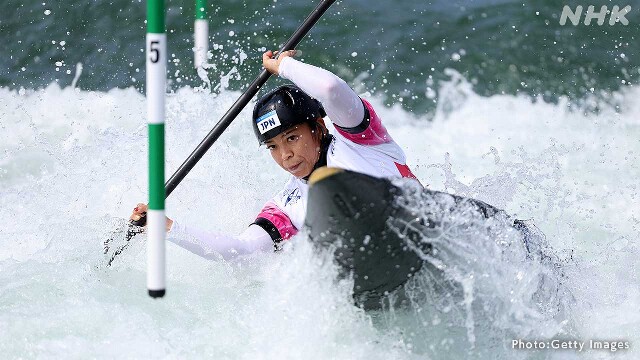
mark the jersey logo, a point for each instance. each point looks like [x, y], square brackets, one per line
[268, 121]
[292, 196]
[405, 172]
[332, 145]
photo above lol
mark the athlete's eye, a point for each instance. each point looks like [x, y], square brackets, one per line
[292, 138]
[271, 147]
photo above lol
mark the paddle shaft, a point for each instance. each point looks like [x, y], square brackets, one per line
[240, 103]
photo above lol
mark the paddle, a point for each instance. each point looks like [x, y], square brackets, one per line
[226, 120]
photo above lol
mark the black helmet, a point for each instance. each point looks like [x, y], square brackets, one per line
[282, 108]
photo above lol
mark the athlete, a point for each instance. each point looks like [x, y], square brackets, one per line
[289, 122]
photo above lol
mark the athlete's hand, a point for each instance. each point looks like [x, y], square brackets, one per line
[271, 60]
[140, 211]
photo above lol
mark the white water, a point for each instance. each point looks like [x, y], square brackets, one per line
[73, 162]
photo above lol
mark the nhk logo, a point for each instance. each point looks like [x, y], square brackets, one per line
[617, 15]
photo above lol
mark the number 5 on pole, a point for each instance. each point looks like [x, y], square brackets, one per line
[156, 84]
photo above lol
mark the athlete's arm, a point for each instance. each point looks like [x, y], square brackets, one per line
[342, 104]
[353, 117]
[208, 244]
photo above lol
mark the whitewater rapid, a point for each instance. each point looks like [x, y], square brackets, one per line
[73, 164]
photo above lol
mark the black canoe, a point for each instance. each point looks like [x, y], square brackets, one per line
[376, 238]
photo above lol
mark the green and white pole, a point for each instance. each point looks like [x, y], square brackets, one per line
[200, 34]
[156, 85]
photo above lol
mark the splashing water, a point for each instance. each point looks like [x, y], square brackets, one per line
[482, 274]
[74, 162]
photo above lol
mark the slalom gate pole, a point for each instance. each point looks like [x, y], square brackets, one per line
[200, 34]
[156, 66]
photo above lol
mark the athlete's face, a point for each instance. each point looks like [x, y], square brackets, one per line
[296, 150]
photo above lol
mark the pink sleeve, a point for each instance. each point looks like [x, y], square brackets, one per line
[374, 134]
[279, 219]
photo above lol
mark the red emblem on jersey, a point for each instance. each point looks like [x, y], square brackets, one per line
[405, 171]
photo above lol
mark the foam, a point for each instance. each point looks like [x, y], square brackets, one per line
[72, 161]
